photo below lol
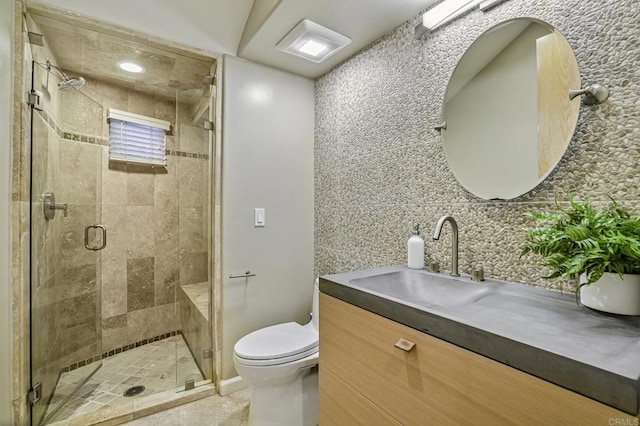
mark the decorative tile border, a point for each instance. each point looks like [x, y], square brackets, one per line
[97, 140]
[187, 154]
[119, 350]
[77, 137]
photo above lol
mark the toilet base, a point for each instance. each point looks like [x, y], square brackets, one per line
[292, 403]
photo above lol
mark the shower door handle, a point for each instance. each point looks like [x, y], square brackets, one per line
[104, 237]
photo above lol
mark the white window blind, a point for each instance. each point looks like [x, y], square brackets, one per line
[134, 138]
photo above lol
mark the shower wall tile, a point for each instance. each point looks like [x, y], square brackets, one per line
[191, 175]
[53, 163]
[165, 110]
[193, 138]
[193, 268]
[143, 104]
[379, 165]
[114, 332]
[140, 283]
[165, 190]
[170, 142]
[115, 286]
[140, 187]
[73, 250]
[43, 316]
[75, 281]
[167, 272]
[80, 166]
[167, 238]
[114, 181]
[78, 113]
[151, 322]
[192, 230]
[110, 96]
[78, 312]
[77, 323]
[140, 231]
[114, 218]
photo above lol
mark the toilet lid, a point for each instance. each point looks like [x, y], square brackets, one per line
[277, 341]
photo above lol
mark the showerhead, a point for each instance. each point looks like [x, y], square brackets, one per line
[71, 82]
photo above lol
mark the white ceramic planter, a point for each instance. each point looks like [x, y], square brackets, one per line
[613, 294]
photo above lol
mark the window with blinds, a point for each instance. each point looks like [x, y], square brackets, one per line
[134, 138]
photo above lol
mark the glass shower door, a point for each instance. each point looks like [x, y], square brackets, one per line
[66, 155]
[194, 307]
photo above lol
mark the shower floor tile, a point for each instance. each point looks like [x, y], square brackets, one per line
[158, 366]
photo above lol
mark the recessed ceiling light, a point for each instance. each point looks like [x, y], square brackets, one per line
[130, 67]
[312, 41]
[313, 48]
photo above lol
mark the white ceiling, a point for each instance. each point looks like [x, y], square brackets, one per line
[217, 26]
[364, 21]
[211, 25]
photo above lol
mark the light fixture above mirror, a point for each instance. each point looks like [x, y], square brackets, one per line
[448, 10]
[312, 41]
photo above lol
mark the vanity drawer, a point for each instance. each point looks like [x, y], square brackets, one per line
[340, 404]
[437, 382]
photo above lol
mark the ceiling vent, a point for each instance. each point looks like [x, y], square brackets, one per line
[312, 41]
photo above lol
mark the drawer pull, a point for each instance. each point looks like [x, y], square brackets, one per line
[405, 345]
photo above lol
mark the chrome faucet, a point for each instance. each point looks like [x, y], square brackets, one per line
[454, 240]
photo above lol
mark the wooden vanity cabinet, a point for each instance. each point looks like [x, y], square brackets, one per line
[365, 379]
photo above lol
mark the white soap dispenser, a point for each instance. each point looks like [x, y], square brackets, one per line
[415, 249]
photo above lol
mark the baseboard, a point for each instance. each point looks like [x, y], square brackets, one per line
[232, 385]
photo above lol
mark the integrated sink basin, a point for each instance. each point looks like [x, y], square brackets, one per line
[422, 287]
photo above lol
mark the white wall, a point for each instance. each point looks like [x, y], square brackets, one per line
[6, 76]
[267, 161]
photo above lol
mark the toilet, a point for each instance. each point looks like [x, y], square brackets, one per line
[280, 363]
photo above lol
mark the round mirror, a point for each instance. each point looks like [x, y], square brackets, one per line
[507, 110]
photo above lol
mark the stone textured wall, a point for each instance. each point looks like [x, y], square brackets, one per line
[379, 166]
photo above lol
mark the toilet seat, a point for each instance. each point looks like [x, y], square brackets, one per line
[278, 344]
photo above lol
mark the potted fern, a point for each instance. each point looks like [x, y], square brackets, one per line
[602, 246]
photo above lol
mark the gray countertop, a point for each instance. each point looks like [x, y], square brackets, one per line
[538, 331]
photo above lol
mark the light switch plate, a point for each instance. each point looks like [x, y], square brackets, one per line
[259, 217]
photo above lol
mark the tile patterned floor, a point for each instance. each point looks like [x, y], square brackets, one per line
[158, 366]
[216, 410]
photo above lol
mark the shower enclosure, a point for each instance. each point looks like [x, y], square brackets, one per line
[121, 294]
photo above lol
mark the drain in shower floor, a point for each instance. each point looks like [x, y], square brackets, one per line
[134, 390]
